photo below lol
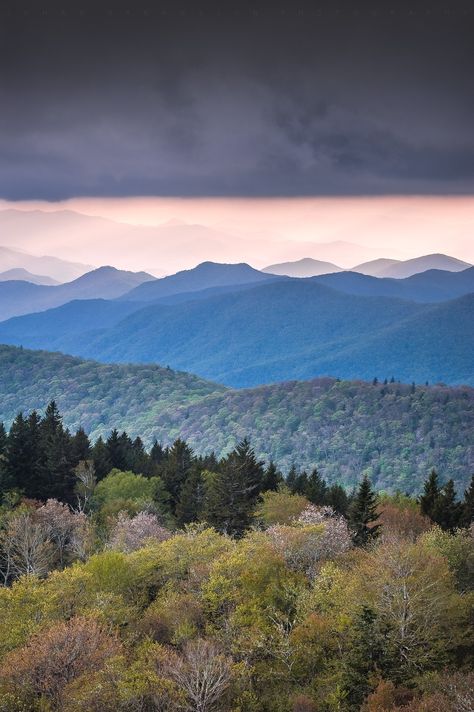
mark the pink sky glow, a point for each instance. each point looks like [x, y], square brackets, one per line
[258, 231]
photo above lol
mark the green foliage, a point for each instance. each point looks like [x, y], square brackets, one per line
[129, 492]
[363, 514]
[342, 427]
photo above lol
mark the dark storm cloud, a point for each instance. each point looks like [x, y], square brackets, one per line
[257, 100]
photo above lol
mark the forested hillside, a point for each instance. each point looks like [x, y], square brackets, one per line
[394, 432]
[284, 330]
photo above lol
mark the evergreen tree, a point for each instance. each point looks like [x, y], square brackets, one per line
[316, 488]
[80, 447]
[337, 498]
[139, 460]
[175, 469]
[191, 496]
[468, 505]
[365, 657]
[363, 514]
[301, 483]
[157, 453]
[447, 511]
[100, 457]
[291, 479]
[272, 478]
[232, 493]
[59, 480]
[430, 496]
[118, 447]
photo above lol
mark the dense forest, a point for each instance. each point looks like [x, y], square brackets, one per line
[161, 581]
[395, 433]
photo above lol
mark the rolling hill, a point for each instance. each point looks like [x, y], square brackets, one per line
[430, 286]
[399, 270]
[205, 276]
[20, 274]
[307, 267]
[18, 297]
[59, 270]
[393, 432]
[277, 331]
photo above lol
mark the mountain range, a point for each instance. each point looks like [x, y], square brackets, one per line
[22, 275]
[383, 267]
[58, 269]
[275, 330]
[393, 432]
[20, 297]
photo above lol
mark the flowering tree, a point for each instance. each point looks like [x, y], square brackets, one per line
[131, 533]
[316, 535]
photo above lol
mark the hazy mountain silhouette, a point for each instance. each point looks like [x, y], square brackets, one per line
[407, 268]
[59, 270]
[204, 276]
[307, 267]
[430, 286]
[18, 297]
[20, 274]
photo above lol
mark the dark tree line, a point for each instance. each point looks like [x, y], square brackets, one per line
[39, 457]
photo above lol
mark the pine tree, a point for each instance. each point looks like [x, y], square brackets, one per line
[291, 479]
[337, 499]
[80, 447]
[447, 511]
[190, 503]
[468, 505]
[139, 460]
[430, 496]
[364, 659]
[157, 453]
[363, 514]
[272, 478]
[301, 483]
[231, 494]
[23, 466]
[316, 488]
[59, 480]
[175, 469]
[100, 457]
[118, 447]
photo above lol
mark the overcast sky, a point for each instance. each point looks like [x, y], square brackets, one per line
[184, 99]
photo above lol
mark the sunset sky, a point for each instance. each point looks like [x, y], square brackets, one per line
[324, 122]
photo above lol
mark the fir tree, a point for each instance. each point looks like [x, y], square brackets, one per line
[139, 460]
[291, 479]
[100, 457]
[157, 453]
[363, 514]
[301, 483]
[118, 447]
[232, 493]
[59, 480]
[272, 478]
[447, 511]
[316, 488]
[191, 496]
[364, 659]
[80, 447]
[175, 469]
[430, 496]
[337, 498]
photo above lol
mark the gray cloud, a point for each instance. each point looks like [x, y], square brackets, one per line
[236, 104]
